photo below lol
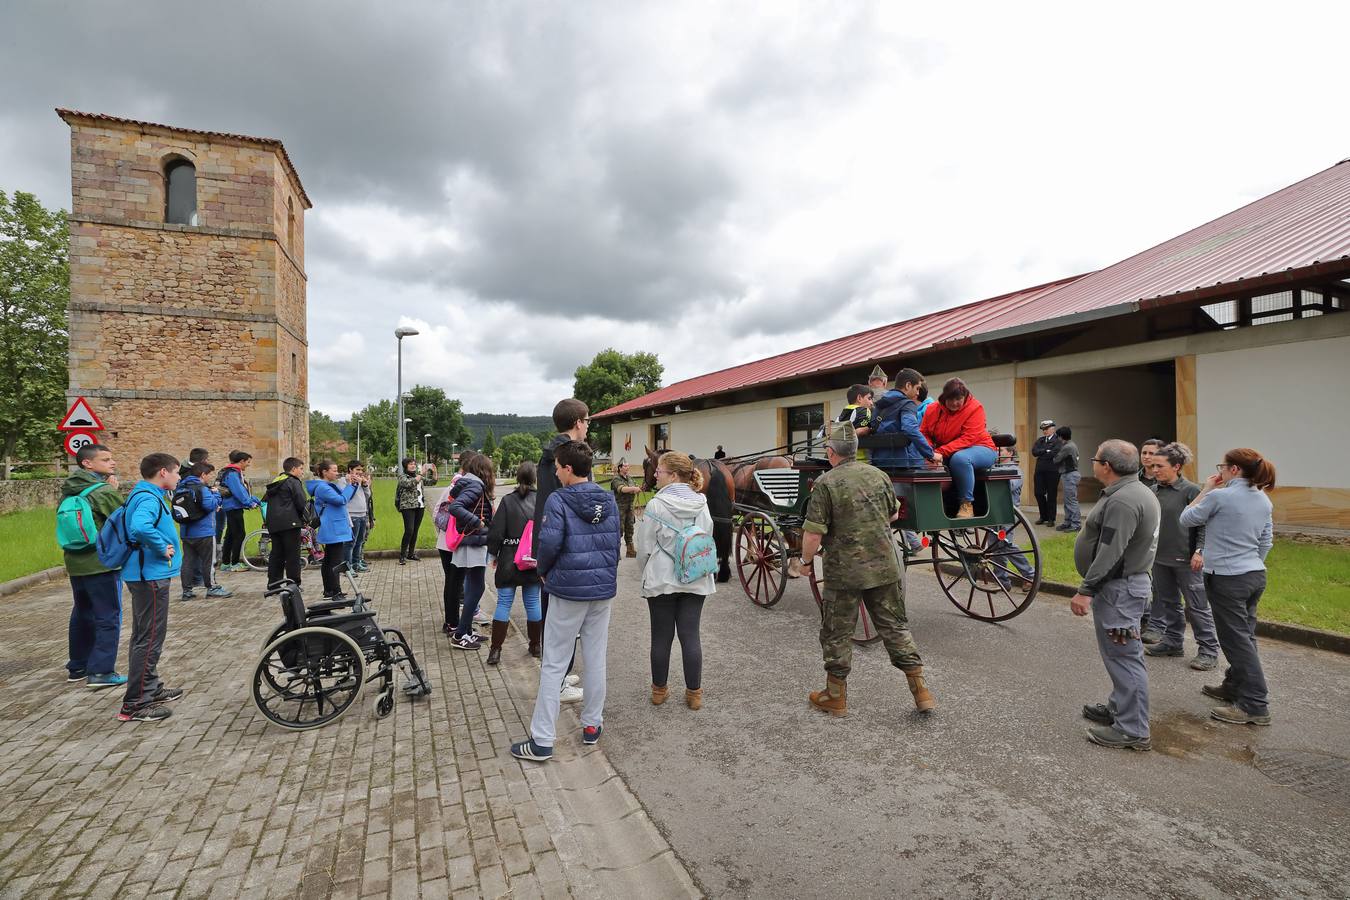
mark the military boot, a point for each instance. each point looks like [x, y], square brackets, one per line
[632, 551]
[834, 699]
[534, 631]
[923, 699]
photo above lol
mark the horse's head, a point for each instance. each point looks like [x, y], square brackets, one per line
[649, 460]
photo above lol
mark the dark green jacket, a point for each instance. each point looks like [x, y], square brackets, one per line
[103, 501]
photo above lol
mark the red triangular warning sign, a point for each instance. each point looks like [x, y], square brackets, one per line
[80, 417]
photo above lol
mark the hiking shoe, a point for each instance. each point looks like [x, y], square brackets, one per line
[1099, 713]
[188, 595]
[105, 680]
[531, 751]
[152, 713]
[570, 694]
[590, 735]
[1064, 528]
[1234, 716]
[77, 675]
[1161, 650]
[1218, 692]
[1149, 636]
[1109, 736]
[219, 592]
[467, 642]
[1203, 662]
[165, 694]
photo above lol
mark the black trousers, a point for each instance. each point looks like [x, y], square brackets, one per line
[1046, 485]
[453, 589]
[334, 555]
[1233, 598]
[285, 557]
[234, 536]
[150, 619]
[676, 614]
[412, 523]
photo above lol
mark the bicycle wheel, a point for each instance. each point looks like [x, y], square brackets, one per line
[257, 547]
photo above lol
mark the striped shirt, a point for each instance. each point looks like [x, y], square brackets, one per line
[1239, 530]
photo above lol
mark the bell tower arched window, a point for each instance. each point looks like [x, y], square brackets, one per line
[180, 193]
[290, 224]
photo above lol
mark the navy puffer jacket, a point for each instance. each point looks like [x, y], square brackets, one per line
[471, 509]
[578, 543]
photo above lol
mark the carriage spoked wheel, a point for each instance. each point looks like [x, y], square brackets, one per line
[761, 559]
[864, 632]
[989, 572]
[308, 677]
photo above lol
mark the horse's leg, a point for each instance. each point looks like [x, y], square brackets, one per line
[721, 499]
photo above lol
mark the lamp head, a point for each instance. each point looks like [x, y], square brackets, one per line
[404, 331]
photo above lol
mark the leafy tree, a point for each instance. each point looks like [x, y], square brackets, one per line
[434, 413]
[379, 439]
[325, 436]
[34, 295]
[612, 378]
[489, 442]
[516, 448]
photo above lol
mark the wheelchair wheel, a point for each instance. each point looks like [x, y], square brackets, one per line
[308, 677]
[257, 547]
[383, 706]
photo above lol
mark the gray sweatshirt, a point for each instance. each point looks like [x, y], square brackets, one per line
[1176, 542]
[1066, 457]
[1119, 537]
[1238, 528]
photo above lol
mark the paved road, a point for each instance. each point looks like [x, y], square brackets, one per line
[998, 793]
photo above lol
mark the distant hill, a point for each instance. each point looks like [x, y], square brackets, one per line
[505, 423]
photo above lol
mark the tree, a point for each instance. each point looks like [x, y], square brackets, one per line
[489, 442]
[435, 414]
[379, 438]
[34, 295]
[516, 448]
[613, 378]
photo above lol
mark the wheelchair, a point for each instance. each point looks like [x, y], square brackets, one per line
[316, 662]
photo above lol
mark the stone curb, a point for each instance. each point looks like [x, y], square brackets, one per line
[25, 581]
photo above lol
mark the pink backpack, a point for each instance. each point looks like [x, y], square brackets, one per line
[524, 558]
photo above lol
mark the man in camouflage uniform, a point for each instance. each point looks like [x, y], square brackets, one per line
[624, 491]
[850, 514]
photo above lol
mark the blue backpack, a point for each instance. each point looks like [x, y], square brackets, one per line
[695, 553]
[115, 545]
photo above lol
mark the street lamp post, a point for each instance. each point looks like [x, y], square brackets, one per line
[358, 436]
[426, 449]
[401, 333]
[403, 439]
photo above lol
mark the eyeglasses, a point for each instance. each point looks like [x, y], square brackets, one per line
[586, 421]
[663, 472]
[1097, 460]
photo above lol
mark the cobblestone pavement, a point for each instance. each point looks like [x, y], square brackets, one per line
[215, 802]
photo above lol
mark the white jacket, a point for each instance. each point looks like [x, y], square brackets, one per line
[677, 505]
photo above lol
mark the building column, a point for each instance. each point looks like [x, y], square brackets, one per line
[1024, 426]
[1187, 430]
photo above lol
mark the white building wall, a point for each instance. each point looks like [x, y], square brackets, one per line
[1291, 401]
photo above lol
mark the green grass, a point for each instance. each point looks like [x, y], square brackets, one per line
[28, 542]
[1307, 584]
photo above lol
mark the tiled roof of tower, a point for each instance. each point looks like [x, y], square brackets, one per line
[884, 342]
[271, 143]
[1303, 228]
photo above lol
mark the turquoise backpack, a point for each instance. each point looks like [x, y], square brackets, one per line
[75, 526]
[695, 554]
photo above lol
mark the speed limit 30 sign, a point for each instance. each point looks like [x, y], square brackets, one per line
[77, 439]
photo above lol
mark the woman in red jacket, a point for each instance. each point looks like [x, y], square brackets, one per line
[956, 428]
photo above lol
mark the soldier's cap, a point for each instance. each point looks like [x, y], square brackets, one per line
[842, 432]
[1047, 423]
[878, 372]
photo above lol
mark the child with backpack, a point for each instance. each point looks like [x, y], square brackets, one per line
[288, 510]
[511, 546]
[89, 497]
[678, 560]
[194, 508]
[235, 499]
[470, 510]
[577, 552]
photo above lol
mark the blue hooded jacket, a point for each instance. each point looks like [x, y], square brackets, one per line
[899, 415]
[578, 543]
[206, 525]
[330, 505]
[239, 497]
[150, 524]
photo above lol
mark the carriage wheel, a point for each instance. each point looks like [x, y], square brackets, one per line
[761, 559]
[864, 632]
[990, 573]
[308, 677]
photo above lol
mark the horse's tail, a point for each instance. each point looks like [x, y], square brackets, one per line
[721, 493]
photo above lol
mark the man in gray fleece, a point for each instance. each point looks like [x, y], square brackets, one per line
[1114, 555]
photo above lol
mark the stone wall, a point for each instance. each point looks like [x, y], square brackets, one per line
[29, 494]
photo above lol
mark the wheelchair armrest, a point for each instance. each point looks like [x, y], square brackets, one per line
[330, 605]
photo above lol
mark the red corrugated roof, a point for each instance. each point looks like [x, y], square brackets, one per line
[271, 143]
[884, 342]
[1303, 225]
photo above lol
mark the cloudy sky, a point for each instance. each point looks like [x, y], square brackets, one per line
[528, 183]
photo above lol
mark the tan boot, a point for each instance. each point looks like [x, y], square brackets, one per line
[967, 510]
[659, 694]
[923, 699]
[632, 552]
[694, 699]
[834, 699]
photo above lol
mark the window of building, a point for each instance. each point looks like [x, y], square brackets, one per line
[1282, 306]
[180, 193]
[803, 427]
[290, 224]
[661, 436]
[292, 363]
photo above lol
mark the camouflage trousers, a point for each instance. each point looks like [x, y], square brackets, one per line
[839, 616]
[626, 517]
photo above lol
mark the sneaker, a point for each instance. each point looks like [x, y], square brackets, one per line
[151, 713]
[1234, 716]
[531, 751]
[1218, 692]
[188, 595]
[467, 642]
[105, 680]
[1160, 649]
[481, 617]
[1149, 636]
[1064, 528]
[1109, 736]
[165, 694]
[590, 735]
[75, 676]
[570, 694]
[1099, 713]
[219, 592]
[1203, 662]
[572, 681]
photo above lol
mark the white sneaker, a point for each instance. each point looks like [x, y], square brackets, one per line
[572, 681]
[481, 617]
[570, 694]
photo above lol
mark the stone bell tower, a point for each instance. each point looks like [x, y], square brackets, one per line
[187, 290]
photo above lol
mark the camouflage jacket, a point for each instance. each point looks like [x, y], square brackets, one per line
[851, 506]
[620, 481]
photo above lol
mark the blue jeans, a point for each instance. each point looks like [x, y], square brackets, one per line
[963, 464]
[507, 595]
[95, 623]
[360, 531]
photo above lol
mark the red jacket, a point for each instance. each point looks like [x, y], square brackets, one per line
[950, 431]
